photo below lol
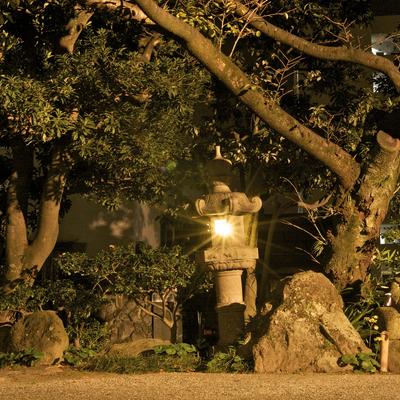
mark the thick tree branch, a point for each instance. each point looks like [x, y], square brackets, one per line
[334, 157]
[387, 142]
[23, 164]
[82, 17]
[349, 54]
[380, 181]
[150, 46]
[48, 226]
[74, 28]
[16, 234]
[17, 204]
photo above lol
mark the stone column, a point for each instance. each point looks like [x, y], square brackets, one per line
[230, 306]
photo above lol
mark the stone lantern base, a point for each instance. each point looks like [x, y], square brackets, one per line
[230, 306]
[230, 323]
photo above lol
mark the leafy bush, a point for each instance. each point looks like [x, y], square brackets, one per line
[86, 283]
[180, 357]
[186, 362]
[141, 273]
[361, 362]
[179, 349]
[27, 358]
[76, 357]
[360, 310]
[227, 362]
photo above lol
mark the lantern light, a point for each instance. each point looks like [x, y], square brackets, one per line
[222, 228]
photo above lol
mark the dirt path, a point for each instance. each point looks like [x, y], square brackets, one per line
[58, 383]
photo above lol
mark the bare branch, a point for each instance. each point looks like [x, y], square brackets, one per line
[341, 53]
[286, 222]
[315, 205]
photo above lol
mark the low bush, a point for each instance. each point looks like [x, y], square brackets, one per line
[181, 357]
[76, 357]
[26, 358]
[361, 362]
[141, 364]
[228, 361]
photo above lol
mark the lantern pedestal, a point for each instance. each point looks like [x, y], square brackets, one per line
[230, 306]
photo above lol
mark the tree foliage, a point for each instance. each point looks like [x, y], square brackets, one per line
[108, 120]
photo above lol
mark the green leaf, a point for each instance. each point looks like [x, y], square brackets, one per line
[171, 351]
[348, 359]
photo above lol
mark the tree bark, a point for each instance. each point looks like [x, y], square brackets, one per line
[362, 214]
[25, 260]
[250, 288]
[17, 203]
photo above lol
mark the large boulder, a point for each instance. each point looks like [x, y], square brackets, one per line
[42, 331]
[307, 331]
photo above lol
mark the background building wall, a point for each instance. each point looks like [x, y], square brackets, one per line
[96, 227]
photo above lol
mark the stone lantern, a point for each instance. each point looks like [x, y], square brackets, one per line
[228, 254]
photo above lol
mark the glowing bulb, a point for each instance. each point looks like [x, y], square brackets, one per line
[222, 227]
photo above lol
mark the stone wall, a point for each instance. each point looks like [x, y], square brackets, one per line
[125, 320]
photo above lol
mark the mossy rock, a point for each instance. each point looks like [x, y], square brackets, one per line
[42, 331]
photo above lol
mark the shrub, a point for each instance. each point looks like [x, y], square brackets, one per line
[27, 358]
[76, 357]
[227, 362]
[86, 283]
[164, 274]
[361, 362]
[153, 362]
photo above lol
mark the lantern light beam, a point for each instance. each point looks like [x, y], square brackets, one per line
[222, 228]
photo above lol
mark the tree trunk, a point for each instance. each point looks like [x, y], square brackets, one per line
[174, 332]
[23, 259]
[361, 215]
[250, 287]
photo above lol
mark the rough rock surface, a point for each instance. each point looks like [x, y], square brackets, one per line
[125, 321]
[308, 331]
[394, 356]
[389, 320]
[136, 347]
[43, 331]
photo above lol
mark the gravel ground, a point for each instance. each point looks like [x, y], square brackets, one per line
[60, 383]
